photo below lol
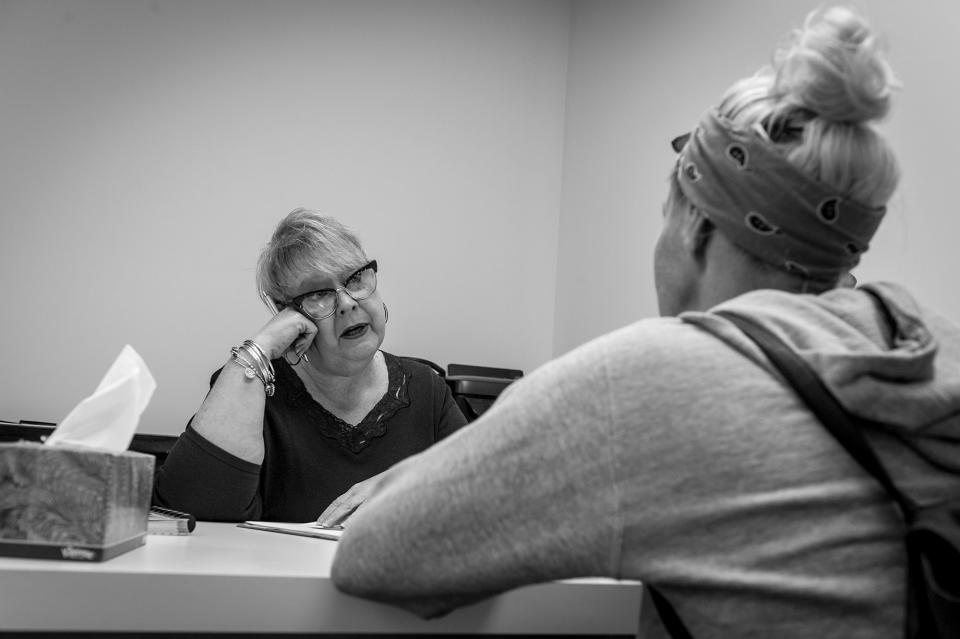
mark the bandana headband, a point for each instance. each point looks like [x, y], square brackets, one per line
[767, 206]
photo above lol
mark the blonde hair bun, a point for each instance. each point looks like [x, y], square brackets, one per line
[835, 67]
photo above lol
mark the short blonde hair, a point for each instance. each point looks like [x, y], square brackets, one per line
[305, 241]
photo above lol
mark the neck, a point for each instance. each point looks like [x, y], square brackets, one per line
[729, 272]
[339, 390]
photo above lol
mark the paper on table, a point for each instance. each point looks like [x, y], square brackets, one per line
[108, 418]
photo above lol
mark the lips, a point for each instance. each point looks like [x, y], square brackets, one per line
[355, 331]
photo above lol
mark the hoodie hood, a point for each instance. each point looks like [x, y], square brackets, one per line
[882, 356]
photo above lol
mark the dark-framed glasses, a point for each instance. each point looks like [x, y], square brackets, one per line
[323, 303]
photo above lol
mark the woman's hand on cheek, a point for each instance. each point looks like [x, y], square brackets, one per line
[286, 331]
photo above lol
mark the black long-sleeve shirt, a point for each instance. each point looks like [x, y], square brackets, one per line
[311, 456]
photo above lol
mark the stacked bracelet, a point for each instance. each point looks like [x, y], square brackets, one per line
[255, 363]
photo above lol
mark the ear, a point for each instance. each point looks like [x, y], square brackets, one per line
[697, 231]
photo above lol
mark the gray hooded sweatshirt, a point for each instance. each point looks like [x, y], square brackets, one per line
[671, 452]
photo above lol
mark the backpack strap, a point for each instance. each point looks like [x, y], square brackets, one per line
[668, 615]
[846, 429]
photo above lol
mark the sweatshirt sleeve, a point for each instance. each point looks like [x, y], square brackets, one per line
[524, 494]
[204, 480]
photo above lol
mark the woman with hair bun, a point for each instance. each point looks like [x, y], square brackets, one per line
[671, 451]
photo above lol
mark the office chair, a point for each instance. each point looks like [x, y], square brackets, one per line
[483, 371]
[157, 445]
[24, 431]
[476, 388]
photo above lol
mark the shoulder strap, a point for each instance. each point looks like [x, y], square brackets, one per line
[668, 615]
[823, 404]
[844, 427]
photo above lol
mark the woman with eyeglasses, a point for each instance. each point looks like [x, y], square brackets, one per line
[303, 416]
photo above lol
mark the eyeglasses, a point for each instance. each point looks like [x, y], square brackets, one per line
[323, 303]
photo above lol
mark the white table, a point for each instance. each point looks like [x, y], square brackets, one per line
[221, 578]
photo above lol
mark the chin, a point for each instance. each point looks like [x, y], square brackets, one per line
[367, 346]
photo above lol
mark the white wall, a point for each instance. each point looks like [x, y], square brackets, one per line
[148, 148]
[477, 146]
[642, 72]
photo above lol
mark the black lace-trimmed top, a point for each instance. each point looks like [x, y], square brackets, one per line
[352, 437]
[311, 456]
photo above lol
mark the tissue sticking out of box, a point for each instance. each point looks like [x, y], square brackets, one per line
[108, 418]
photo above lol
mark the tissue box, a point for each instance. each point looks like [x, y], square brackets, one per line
[72, 502]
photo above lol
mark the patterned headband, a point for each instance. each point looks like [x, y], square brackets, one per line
[767, 206]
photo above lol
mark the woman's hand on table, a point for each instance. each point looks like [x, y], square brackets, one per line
[346, 504]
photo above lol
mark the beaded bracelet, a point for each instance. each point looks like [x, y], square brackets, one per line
[256, 367]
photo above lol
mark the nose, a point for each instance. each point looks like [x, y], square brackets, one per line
[345, 302]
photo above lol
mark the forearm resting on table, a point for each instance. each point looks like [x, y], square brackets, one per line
[495, 506]
[390, 550]
[432, 570]
[231, 416]
[421, 542]
[405, 584]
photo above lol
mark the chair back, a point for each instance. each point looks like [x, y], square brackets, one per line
[476, 388]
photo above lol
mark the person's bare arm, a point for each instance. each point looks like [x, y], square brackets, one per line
[231, 416]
